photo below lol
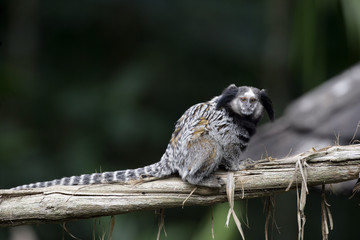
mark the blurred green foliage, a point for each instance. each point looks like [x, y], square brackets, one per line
[97, 85]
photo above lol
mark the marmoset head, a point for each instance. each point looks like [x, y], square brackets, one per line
[249, 102]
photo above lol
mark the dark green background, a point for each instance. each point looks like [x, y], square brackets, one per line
[97, 85]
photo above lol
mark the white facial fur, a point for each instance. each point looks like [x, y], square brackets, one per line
[246, 103]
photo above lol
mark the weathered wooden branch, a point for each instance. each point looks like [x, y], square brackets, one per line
[266, 177]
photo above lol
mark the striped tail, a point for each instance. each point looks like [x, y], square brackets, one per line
[154, 170]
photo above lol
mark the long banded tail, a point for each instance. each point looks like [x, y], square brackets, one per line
[153, 170]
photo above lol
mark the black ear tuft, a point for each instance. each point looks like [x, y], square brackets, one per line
[227, 95]
[267, 103]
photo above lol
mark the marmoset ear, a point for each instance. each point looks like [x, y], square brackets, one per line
[267, 103]
[227, 95]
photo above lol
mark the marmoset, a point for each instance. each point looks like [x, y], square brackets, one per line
[208, 135]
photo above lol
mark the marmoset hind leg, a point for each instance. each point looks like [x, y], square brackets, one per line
[202, 160]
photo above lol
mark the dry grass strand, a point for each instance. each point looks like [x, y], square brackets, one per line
[301, 198]
[353, 141]
[112, 225]
[326, 217]
[300, 165]
[63, 225]
[230, 191]
[269, 209]
[161, 223]
[187, 198]
[337, 138]
[212, 224]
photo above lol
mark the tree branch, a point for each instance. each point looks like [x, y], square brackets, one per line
[266, 177]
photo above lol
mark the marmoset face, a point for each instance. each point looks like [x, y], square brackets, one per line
[245, 103]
